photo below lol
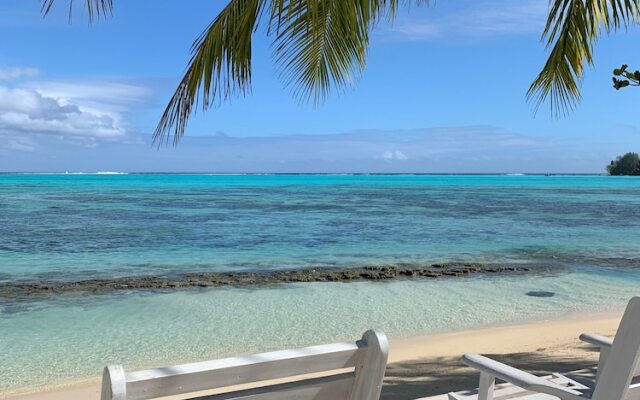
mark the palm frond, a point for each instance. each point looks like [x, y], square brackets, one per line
[572, 29]
[95, 8]
[319, 43]
[220, 67]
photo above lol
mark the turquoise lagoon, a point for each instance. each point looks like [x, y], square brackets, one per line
[70, 227]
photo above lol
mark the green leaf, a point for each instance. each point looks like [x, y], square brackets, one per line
[219, 68]
[321, 43]
[618, 84]
[572, 28]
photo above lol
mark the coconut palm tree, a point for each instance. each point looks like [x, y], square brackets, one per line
[322, 44]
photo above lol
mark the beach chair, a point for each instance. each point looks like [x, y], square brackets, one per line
[339, 371]
[616, 377]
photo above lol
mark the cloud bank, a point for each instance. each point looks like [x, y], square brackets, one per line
[78, 113]
[464, 149]
[28, 111]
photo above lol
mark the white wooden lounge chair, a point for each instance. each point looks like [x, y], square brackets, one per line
[617, 367]
[350, 371]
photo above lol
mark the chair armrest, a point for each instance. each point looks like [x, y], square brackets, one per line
[519, 378]
[597, 340]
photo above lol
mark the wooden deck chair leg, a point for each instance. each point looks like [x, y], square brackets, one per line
[487, 384]
[370, 371]
[114, 384]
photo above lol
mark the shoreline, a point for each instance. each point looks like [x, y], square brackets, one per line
[413, 359]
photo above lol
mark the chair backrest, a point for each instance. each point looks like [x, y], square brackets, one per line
[622, 363]
[350, 371]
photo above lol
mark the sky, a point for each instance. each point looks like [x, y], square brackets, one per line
[443, 92]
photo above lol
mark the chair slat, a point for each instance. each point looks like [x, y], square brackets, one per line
[324, 388]
[187, 378]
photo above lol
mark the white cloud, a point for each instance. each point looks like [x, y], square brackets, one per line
[9, 73]
[112, 97]
[475, 19]
[418, 30]
[28, 111]
[80, 113]
[400, 155]
[393, 155]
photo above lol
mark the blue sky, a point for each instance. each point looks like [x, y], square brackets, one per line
[443, 91]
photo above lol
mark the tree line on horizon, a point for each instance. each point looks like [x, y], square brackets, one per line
[627, 164]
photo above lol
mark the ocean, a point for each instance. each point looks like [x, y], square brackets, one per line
[579, 234]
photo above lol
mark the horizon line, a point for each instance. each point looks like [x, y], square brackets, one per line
[300, 173]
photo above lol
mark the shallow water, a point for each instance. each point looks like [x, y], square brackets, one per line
[74, 227]
[70, 226]
[145, 330]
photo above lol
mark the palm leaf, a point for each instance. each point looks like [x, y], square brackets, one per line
[95, 8]
[318, 45]
[219, 68]
[572, 28]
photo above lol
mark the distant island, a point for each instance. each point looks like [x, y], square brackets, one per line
[628, 164]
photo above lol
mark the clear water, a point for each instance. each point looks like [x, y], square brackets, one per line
[73, 227]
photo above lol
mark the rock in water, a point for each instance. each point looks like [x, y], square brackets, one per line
[24, 291]
[540, 293]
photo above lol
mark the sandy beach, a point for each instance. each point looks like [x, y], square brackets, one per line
[429, 365]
